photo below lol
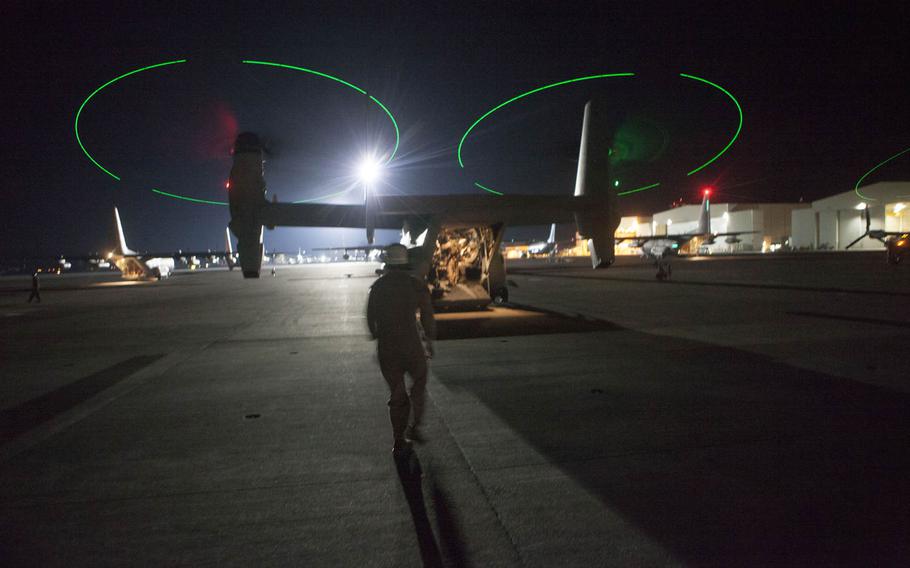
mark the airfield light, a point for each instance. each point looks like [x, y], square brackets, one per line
[368, 171]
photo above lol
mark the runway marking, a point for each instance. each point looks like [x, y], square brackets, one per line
[876, 321]
[19, 419]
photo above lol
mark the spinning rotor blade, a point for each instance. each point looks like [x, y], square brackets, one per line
[858, 239]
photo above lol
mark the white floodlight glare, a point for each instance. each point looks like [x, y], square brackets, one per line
[861, 206]
[368, 171]
[898, 207]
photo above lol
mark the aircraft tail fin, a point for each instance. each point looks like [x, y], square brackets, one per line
[704, 218]
[552, 238]
[597, 224]
[228, 249]
[121, 239]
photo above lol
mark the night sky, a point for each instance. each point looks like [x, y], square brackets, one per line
[824, 92]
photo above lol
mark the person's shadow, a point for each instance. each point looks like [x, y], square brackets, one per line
[410, 474]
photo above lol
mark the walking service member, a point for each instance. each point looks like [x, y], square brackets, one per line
[395, 298]
[36, 288]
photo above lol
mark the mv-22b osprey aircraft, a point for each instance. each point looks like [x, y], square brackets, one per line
[459, 255]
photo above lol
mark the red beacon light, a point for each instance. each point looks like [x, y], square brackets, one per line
[227, 184]
[707, 191]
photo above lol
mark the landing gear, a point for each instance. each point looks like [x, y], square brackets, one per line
[664, 271]
[501, 296]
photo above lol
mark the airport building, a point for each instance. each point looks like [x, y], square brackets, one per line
[768, 222]
[830, 223]
[834, 222]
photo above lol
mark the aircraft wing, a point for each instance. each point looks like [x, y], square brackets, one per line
[733, 234]
[364, 248]
[640, 241]
[391, 211]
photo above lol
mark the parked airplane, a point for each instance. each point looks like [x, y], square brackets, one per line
[539, 248]
[460, 256]
[548, 246]
[136, 266]
[896, 243]
[661, 248]
[154, 265]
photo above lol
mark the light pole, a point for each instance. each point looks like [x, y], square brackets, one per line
[368, 171]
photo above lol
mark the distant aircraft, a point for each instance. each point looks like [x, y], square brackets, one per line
[370, 252]
[154, 265]
[545, 247]
[460, 255]
[896, 243]
[661, 248]
[538, 248]
[136, 266]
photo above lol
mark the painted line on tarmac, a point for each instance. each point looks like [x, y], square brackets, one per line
[874, 321]
[791, 287]
[112, 388]
[21, 418]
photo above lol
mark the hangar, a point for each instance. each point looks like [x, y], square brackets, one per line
[834, 222]
[769, 221]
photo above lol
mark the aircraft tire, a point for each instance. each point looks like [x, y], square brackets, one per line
[501, 296]
[251, 274]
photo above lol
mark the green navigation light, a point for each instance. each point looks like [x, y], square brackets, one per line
[739, 127]
[487, 189]
[865, 175]
[95, 92]
[616, 183]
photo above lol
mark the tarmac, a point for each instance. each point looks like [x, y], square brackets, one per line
[750, 411]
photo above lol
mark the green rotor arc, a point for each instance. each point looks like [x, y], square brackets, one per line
[605, 76]
[245, 61]
[867, 174]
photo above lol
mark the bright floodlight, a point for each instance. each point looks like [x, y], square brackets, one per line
[368, 171]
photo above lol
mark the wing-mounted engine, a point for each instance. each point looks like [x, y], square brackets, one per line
[247, 198]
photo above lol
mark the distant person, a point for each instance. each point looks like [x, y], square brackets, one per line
[36, 288]
[394, 301]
